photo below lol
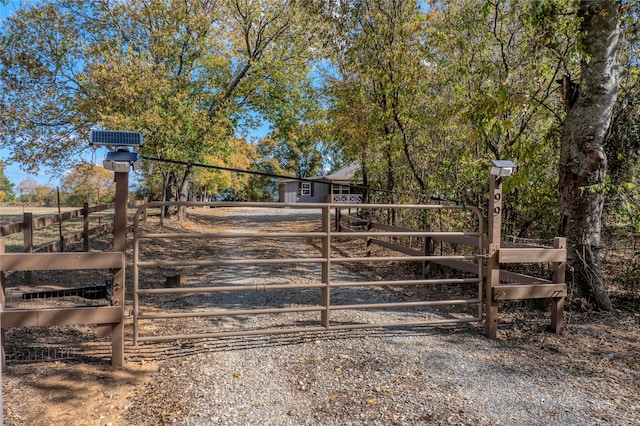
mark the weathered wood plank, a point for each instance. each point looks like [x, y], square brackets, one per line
[531, 255]
[102, 207]
[48, 248]
[40, 222]
[69, 239]
[396, 247]
[528, 291]
[99, 229]
[62, 316]
[10, 229]
[44, 221]
[60, 261]
[459, 239]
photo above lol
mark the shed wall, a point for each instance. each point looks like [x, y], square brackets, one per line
[289, 193]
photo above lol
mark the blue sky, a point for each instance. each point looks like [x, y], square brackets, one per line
[6, 6]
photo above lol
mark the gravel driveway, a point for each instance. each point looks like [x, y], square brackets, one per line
[407, 376]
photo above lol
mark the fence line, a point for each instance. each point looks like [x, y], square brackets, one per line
[509, 285]
[29, 224]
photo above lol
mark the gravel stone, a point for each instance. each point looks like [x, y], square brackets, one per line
[399, 376]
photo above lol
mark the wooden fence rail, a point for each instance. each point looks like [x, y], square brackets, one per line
[510, 285]
[521, 254]
[108, 318]
[30, 224]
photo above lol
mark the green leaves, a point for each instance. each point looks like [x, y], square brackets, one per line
[184, 73]
[88, 183]
[426, 97]
[6, 186]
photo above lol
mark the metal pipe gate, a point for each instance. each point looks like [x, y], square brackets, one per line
[326, 283]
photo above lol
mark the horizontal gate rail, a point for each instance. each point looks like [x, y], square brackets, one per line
[222, 289]
[405, 304]
[235, 235]
[326, 238]
[223, 312]
[294, 330]
[334, 284]
[404, 282]
[362, 234]
[400, 258]
[229, 262]
[403, 324]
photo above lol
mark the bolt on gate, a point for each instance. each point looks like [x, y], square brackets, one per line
[294, 269]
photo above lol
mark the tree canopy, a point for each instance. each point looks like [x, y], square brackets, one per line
[88, 183]
[6, 186]
[421, 93]
[188, 75]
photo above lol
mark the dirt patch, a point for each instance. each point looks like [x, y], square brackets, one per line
[62, 392]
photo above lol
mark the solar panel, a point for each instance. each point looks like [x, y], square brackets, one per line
[115, 138]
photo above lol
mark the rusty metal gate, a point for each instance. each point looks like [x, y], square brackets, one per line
[293, 269]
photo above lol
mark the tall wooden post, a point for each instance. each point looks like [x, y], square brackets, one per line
[493, 266]
[85, 227]
[27, 238]
[326, 266]
[427, 250]
[119, 245]
[2, 275]
[2, 304]
[120, 218]
[557, 303]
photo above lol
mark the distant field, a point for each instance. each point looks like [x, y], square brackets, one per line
[11, 214]
[14, 214]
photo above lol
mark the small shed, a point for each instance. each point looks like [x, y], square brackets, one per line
[333, 188]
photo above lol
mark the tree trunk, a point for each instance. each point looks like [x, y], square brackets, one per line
[165, 185]
[171, 194]
[583, 163]
[366, 194]
[183, 194]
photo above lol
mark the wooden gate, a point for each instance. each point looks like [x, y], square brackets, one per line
[319, 251]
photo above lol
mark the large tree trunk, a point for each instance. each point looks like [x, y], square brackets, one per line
[165, 186]
[175, 192]
[171, 194]
[583, 163]
[365, 180]
[185, 187]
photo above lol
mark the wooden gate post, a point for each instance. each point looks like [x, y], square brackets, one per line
[493, 266]
[85, 227]
[119, 245]
[427, 250]
[326, 266]
[558, 277]
[499, 169]
[27, 238]
[2, 304]
[120, 218]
